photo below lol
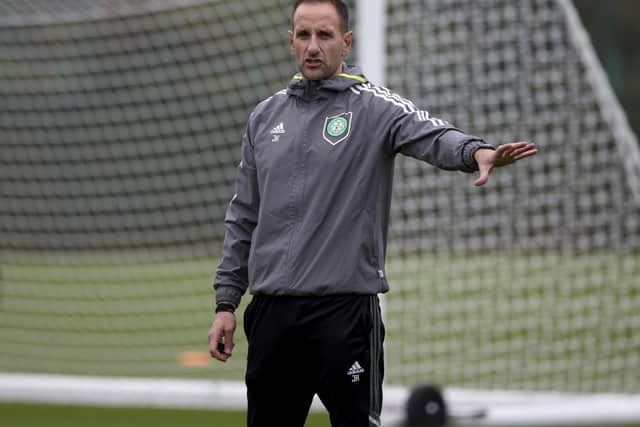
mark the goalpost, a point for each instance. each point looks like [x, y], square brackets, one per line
[119, 135]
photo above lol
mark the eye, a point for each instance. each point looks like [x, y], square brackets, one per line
[325, 34]
[302, 34]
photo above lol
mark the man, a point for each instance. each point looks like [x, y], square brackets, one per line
[306, 230]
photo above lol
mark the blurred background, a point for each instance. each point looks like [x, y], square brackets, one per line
[614, 31]
[120, 129]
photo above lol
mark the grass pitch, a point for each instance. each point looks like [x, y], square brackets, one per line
[19, 415]
[549, 320]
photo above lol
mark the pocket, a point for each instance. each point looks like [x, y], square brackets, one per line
[366, 320]
[247, 317]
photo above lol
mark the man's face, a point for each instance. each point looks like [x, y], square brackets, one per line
[317, 41]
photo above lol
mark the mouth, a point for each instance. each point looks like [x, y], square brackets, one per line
[312, 62]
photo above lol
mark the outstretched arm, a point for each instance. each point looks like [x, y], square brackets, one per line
[503, 155]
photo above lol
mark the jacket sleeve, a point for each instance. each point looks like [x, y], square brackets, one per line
[231, 279]
[416, 134]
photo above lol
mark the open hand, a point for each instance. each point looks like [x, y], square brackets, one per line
[503, 155]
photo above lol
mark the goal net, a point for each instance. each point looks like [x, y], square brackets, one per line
[119, 137]
[534, 281]
[120, 127]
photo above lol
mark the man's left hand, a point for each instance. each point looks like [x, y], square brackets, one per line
[504, 155]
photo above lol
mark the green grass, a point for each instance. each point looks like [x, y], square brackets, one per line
[551, 320]
[19, 415]
[24, 415]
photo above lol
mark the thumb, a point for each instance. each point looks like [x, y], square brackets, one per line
[484, 175]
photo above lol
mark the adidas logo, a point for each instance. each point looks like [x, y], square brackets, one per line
[276, 132]
[278, 129]
[355, 369]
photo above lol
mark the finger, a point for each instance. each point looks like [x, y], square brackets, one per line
[215, 352]
[481, 181]
[518, 144]
[215, 339]
[484, 177]
[526, 151]
[224, 355]
[213, 344]
[512, 152]
[525, 154]
[219, 353]
[513, 147]
[228, 343]
[516, 151]
[525, 147]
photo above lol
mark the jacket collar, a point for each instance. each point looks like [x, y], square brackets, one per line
[310, 89]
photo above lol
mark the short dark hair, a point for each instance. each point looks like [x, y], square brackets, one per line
[341, 8]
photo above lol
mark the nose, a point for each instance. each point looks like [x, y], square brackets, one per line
[313, 47]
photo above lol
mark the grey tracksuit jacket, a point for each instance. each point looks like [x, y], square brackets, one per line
[313, 189]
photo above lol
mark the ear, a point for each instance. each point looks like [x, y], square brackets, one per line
[346, 46]
[291, 42]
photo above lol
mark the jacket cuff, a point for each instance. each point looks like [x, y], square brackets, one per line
[229, 294]
[469, 152]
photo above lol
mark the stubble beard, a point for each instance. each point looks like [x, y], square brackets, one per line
[320, 73]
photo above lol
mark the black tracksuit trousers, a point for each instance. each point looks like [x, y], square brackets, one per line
[301, 346]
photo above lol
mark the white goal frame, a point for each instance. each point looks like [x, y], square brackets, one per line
[466, 407]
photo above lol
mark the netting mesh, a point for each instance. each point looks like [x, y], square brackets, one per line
[119, 137]
[120, 127]
[532, 282]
